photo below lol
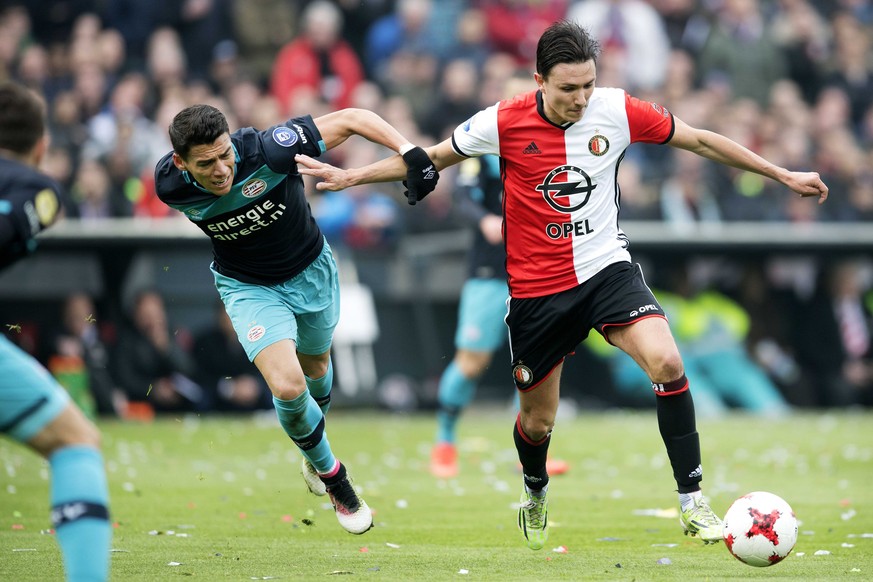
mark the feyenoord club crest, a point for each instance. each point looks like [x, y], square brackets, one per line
[522, 374]
[598, 145]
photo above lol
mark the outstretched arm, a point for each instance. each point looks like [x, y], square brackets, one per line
[418, 169]
[721, 149]
[388, 170]
[338, 126]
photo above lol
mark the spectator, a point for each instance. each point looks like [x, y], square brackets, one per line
[122, 129]
[66, 123]
[166, 61]
[834, 335]
[135, 22]
[471, 39]
[632, 32]
[93, 196]
[259, 44]
[456, 101]
[402, 30]
[741, 53]
[685, 21]
[76, 346]
[853, 69]
[151, 364]
[804, 37]
[318, 60]
[230, 381]
[202, 25]
[686, 198]
[514, 26]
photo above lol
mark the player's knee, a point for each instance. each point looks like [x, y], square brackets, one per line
[285, 386]
[82, 432]
[666, 367]
[287, 391]
[472, 364]
[70, 430]
[537, 426]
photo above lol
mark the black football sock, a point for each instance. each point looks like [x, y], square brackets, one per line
[677, 425]
[532, 455]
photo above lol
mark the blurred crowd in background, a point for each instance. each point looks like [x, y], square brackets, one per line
[791, 79]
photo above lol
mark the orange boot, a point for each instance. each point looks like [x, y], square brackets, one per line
[444, 461]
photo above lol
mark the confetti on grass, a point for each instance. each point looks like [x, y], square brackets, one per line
[670, 513]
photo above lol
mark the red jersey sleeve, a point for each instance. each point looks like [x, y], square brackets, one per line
[648, 122]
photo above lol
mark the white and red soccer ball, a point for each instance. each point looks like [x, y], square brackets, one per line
[760, 529]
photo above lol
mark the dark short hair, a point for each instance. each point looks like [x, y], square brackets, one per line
[565, 42]
[22, 118]
[196, 125]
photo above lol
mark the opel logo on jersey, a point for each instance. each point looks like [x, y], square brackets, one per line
[598, 145]
[284, 136]
[254, 188]
[554, 192]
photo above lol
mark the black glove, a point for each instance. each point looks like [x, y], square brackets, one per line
[421, 175]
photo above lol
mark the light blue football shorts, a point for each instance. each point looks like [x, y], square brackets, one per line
[481, 326]
[30, 398]
[304, 309]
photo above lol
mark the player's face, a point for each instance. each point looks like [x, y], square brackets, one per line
[212, 165]
[566, 91]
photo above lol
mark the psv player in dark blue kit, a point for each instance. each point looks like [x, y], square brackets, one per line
[34, 408]
[273, 267]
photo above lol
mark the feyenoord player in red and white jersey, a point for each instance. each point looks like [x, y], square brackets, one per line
[567, 259]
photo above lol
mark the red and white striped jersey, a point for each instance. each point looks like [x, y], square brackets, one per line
[561, 197]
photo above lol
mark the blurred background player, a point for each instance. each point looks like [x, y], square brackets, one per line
[481, 329]
[34, 408]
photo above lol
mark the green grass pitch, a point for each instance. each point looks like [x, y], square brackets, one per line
[222, 499]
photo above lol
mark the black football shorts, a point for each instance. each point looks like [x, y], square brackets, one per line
[544, 330]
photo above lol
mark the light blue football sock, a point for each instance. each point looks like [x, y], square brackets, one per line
[303, 421]
[319, 388]
[455, 393]
[80, 514]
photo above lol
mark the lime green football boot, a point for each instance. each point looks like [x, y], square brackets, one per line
[701, 521]
[533, 518]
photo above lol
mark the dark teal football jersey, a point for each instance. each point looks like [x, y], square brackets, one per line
[30, 202]
[262, 231]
